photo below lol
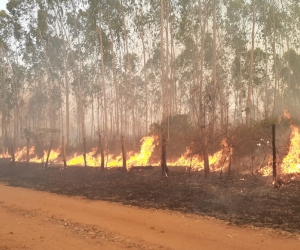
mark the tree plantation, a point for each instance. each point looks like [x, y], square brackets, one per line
[80, 68]
[150, 124]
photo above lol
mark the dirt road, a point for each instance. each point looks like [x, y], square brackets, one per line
[39, 220]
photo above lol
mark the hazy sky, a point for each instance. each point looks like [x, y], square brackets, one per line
[3, 4]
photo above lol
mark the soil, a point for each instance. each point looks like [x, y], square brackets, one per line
[181, 211]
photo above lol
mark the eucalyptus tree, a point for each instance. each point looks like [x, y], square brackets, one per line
[11, 46]
[141, 22]
[236, 30]
[6, 30]
[290, 74]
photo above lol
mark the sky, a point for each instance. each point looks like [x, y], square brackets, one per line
[3, 4]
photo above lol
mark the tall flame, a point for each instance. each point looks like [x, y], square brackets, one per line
[291, 162]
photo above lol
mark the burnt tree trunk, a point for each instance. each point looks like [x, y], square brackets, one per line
[13, 159]
[64, 152]
[84, 151]
[49, 151]
[274, 152]
[123, 153]
[164, 167]
[27, 155]
[205, 154]
[101, 153]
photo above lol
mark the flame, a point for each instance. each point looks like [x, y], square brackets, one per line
[138, 159]
[5, 155]
[291, 162]
[21, 155]
[266, 170]
[216, 161]
[93, 159]
[146, 151]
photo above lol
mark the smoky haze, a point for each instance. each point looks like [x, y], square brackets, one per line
[78, 69]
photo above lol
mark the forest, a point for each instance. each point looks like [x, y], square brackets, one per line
[72, 70]
[208, 90]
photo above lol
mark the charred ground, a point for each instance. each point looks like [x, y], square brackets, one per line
[240, 200]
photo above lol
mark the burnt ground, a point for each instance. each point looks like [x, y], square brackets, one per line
[240, 200]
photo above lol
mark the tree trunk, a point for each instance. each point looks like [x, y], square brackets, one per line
[101, 153]
[145, 79]
[162, 58]
[266, 66]
[123, 153]
[115, 85]
[49, 151]
[203, 29]
[275, 64]
[164, 167]
[248, 109]
[67, 97]
[133, 129]
[214, 75]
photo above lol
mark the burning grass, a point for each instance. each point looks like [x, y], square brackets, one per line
[142, 158]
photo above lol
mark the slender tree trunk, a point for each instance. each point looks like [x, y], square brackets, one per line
[123, 153]
[4, 120]
[167, 97]
[266, 66]
[203, 35]
[117, 111]
[162, 59]
[103, 82]
[67, 97]
[214, 76]
[248, 109]
[274, 59]
[145, 79]
[133, 128]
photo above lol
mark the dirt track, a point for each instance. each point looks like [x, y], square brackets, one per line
[40, 220]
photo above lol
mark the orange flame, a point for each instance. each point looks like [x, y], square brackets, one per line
[5, 155]
[291, 162]
[216, 161]
[140, 159]
[21, 155]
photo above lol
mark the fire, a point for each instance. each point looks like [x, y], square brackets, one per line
[93, 159]
[21, 155]
[138, 159]
[216, 161]
[146, 151]
[266, 170]
[5, 155]
[291, 162]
